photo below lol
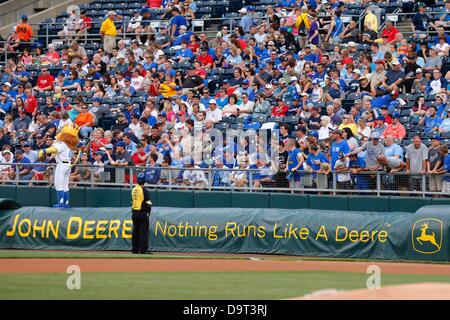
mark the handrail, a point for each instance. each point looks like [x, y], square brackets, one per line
[375, 176]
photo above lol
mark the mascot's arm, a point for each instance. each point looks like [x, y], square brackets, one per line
[44, 152]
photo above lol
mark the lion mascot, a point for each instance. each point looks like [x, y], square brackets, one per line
[64, 147]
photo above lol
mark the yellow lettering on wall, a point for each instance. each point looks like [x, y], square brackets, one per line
[230, 227]
[159, 227]
[212, 234]
[88, 230]
[53, 229]
[382, 236]
[127, 229]
[114, 226]
[79, 223]
[10, 233]
[275, 235]
[364, 236]
[261, 232]
[101, 228]
[40, 228]
[304, 233]
[25, 234]
[322, 233]
[338, 239]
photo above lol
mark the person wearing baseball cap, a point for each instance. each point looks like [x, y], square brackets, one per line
[339, 145]
[418, 27]
[108, 32]
[24, 33]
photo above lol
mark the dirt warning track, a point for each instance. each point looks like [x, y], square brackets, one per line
[211, 265]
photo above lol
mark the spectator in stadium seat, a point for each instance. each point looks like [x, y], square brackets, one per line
[390, 164]
[44, 81]
[280, 109]
[192, 176]
[342, 164]
[432, 61]
[394, 77]
[85, 25]
[24, 33]
[445, 125]
[437, 83]
[392, 149]
[23, 170]
[373, 149]
[416, 162]
[85, 121]
[108, 32]
[395, 130]
[431, 121]
[445, 169]
[75, 53]
[176, 23]
[434, 164]
[420, 21]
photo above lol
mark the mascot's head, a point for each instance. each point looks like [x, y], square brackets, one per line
[69, 135]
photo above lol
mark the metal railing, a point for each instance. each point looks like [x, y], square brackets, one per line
[343, 182]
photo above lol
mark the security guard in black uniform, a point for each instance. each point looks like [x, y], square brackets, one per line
[141, 208]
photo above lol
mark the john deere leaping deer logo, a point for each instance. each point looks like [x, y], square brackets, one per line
[427, 236]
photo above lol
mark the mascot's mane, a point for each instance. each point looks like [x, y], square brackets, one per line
[69, 135]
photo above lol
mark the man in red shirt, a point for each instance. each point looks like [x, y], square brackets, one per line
[45, 81]
[390, 31]
[205, 59]
[85, 25]
[280, 109]
[198, 70]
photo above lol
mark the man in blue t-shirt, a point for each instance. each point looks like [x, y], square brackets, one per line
[153, 170]
[295, 163]
[315, 159]
[338, 145]
[445, 169]
[356, 165]
[176, 22]
[262, 174]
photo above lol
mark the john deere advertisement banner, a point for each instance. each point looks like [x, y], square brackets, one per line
[277, 231]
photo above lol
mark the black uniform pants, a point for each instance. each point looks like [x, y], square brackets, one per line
[140, 233]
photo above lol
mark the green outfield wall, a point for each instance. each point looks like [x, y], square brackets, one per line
[120, 197]
[423, 235]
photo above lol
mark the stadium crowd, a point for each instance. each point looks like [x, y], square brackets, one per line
[293, 69]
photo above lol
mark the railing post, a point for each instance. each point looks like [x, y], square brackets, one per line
[16, 178]
[209, 178]
[131, 173]
[334, 183]
[170, 178]
[92, 176]
[250, 180]
[378, 183]
[424, 185]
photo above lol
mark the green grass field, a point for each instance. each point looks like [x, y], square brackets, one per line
[177, 285]
[196, 285]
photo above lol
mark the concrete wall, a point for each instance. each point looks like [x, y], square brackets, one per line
[11, 11]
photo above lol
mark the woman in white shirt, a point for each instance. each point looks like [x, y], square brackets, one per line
[231, 108]
[442, 47]
[325, 128]
[317, 91]
[364, 130]
[64, 120]
[347, 134]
